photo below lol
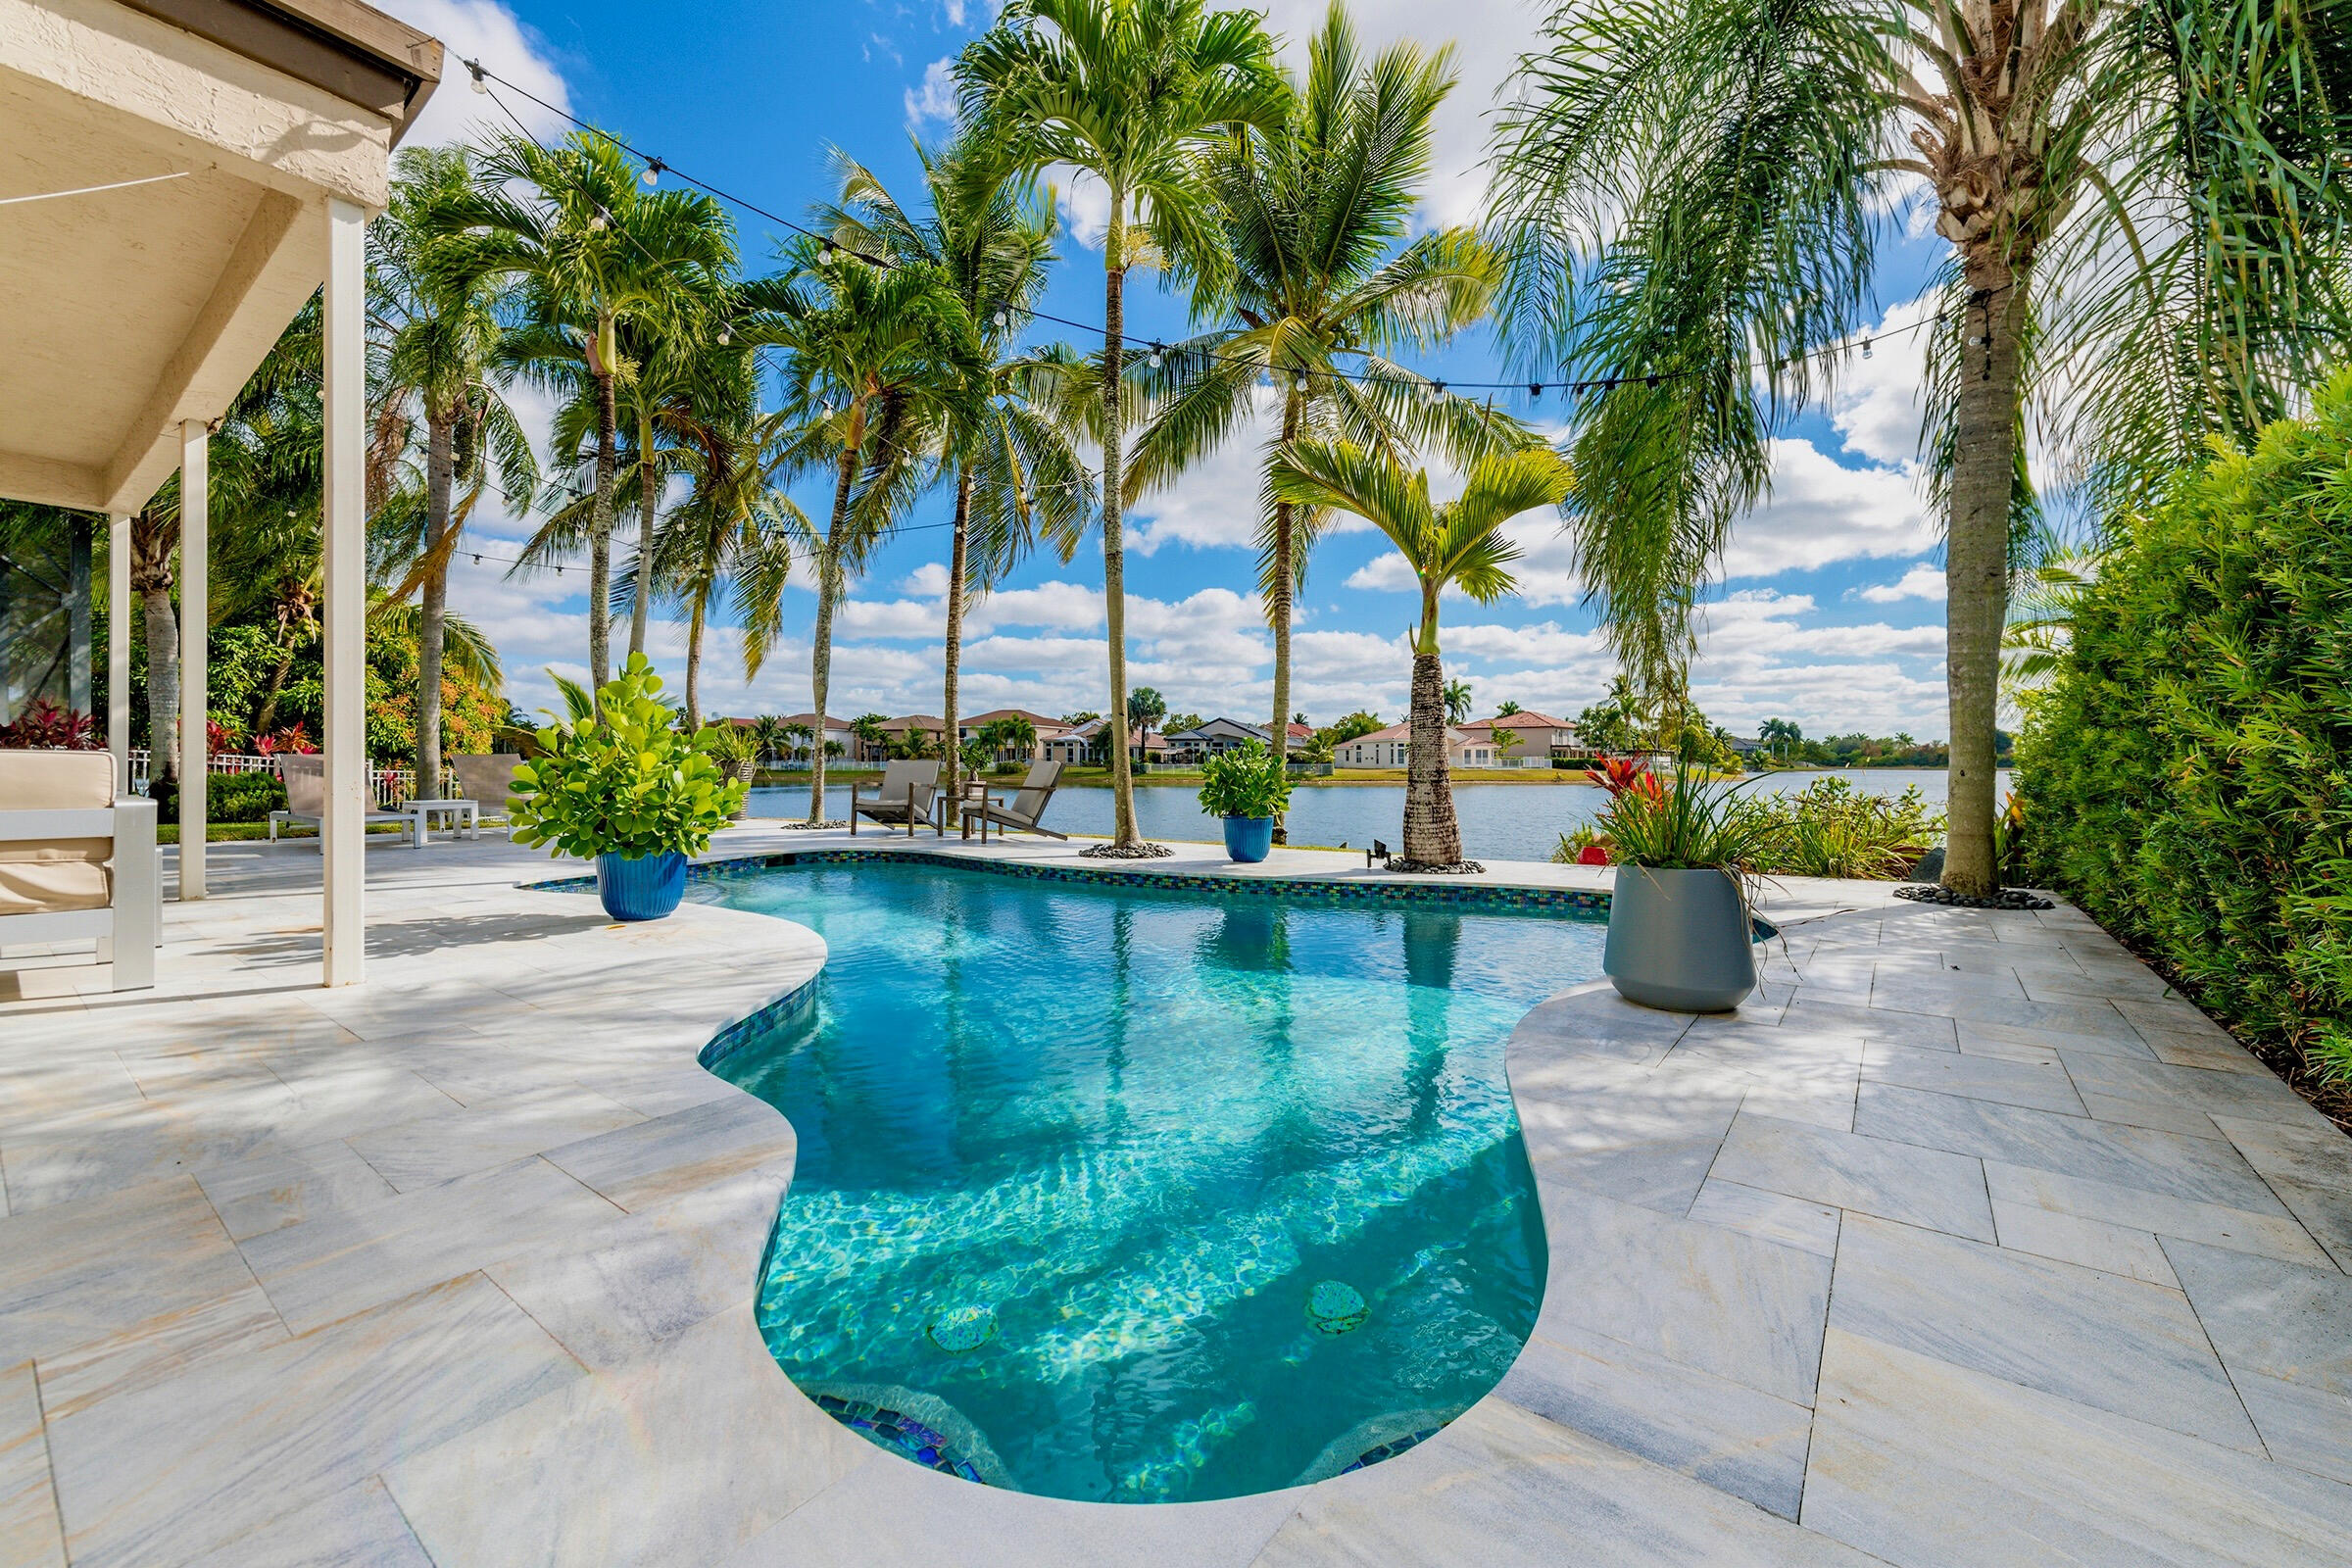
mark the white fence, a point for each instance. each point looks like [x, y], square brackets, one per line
[391, 785]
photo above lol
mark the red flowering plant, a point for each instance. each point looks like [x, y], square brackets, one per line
[293, 740]
[46, 727]
[219, 740]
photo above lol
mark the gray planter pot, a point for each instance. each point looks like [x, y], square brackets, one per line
[1679, 940]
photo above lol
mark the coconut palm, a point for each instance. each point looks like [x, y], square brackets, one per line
[437, 339]
[1458, 702]
[1019, 481]
[1454, 544]
[1129, 92]
[587, 250]
[2147, 246]
[880, 358]
[1780, 732]
[1312, 286]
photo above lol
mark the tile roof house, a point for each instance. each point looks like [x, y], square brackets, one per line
[1073, 745]
[1391, 746]
[1538, 738]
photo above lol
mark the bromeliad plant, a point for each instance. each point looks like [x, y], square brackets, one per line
[624, 781]
[1682, 824]
[1250, 782]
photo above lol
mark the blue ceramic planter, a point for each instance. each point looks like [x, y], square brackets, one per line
[1248, 839]
[644, 889]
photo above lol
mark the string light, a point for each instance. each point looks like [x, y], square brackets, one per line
[1866, 348]
[596, 221]
[479, 85]
[1152, 357]
[653, 171]
[726, 335]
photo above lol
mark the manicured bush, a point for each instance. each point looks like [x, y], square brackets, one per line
[243, 797]
[2187, 776]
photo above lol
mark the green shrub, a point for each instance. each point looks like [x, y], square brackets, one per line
[2187, 776]
[1830, 828]
[1247, 781]
[625, 782]
[243, 797]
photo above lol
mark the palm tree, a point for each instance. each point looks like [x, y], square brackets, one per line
[437, 341]
[1780, 732]
[1147, 707]
[588, 251]
[1308, 279]
[881, 358]
[867, 727]
[1019, 480]
[1458, 702]
[1128, 91]
[1457, 544]
[2147, 244]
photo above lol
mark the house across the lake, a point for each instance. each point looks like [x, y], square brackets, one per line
[1221, 735]
[1075, 746]
[1527, 739]
[1391, 746]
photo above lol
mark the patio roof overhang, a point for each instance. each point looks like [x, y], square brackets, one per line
[125, 312]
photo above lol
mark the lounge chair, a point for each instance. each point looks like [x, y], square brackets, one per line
[306, 800]
[908, 794]
[1024, 808]
[488, 781]
[76, 863]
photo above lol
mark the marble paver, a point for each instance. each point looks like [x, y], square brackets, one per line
[1963, 1242]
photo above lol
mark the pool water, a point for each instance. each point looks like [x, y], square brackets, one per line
[1143, 1196]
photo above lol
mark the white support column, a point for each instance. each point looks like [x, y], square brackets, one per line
[195, 589]
[343, 834]
[117, 648]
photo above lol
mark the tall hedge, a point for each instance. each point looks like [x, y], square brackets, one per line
[2188, 775]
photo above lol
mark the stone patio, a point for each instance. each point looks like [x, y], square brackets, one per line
[1964, 1243]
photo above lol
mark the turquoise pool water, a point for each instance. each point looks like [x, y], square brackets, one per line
[1137, 1195]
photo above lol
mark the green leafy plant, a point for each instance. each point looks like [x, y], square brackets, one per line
[624, 781]
[1682, 822]
[1830, 828]
[243, 797]
[1247, 781]
[2185, 773]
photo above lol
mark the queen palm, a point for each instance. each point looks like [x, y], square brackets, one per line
[1309, 290]
[588, 250]
[731, 537]
[1128, 91]
[2147, 245]
[438, 337]
[1457, 544]
[1019, 481]
[880, 358]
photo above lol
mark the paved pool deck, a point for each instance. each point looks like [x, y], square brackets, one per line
[1963, 1242]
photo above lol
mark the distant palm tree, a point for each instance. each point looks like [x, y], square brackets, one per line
[588, 249]
[1127, 92]
[2147, 223]
[1780, 732]
[1458, 702]
[1454, 544]
[1147, 707]
[867, 727]
[1506, 710]
[1310, 283]
[768, 731]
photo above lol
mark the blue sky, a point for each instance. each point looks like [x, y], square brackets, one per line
[1830, 611]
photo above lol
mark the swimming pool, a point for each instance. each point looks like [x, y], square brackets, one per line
[1128, 1194]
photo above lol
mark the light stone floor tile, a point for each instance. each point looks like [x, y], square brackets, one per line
[458, 1141]
[341, 1262]
[1716, 1299]
[2040, 1086]
[359, 1527]
[2106, 984]
[2201, 1169]
[1924, 1030]
[1904, 989]
[2269, 1233]
[612, 1294]
[639, 1166]
[265, 1194]
[1504, 1484]
[2314, 1154]
[2286, 1332]
[638, 1483]
[1929, 1465]
[1733, 1438]
[75, 1273]
[158, 1349]
[2175, 1016]
[2324, 1212]
[2092, 1243]
[178, 1469]
[1994, 1039]
[1869, 1175]
[2190, 1051]
[1768, 1216]
[2097, 1339]
[2247, 1095]
[30, 1534]
[2162, 1116]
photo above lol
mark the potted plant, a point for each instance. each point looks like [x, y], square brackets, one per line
[1247, 787]
[1680, 933]
[625, 788]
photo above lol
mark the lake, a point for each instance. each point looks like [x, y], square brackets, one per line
[1499, 821]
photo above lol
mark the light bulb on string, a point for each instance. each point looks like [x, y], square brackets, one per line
[596, 221]
[1001, 320]
[1154, 357]
[480, 84]
[653, 171]
[1299, 382]
[726, 335]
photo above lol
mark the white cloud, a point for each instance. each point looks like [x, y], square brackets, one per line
[934, 102]
[1084, 203]
[1876, 404]
[1920, 582]
[1820, 512]
[488, 31]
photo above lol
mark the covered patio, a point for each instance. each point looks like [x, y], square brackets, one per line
[180, 177]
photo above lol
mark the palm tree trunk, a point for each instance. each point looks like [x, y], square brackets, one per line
[1432, 835]
[959, 562]
[828, 579]
[163, 681]
[694, 666]
[266, 719]
[1278, 609]
[1114, 548]
[440, 465]
[1976, 564]
[600, 537]
[641, 593]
